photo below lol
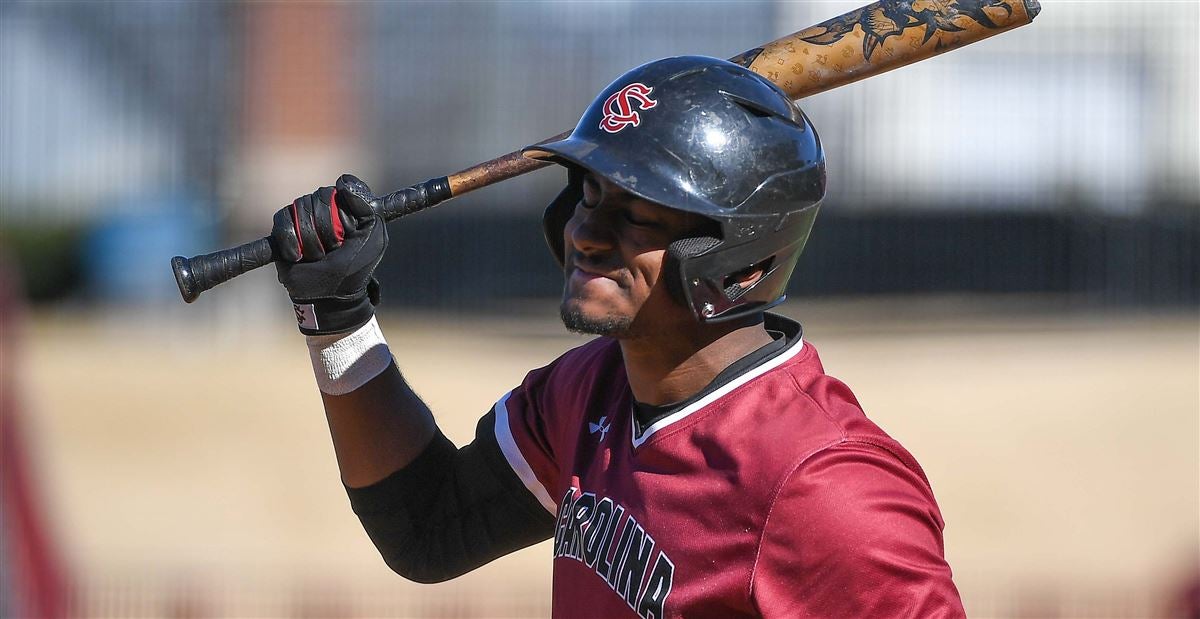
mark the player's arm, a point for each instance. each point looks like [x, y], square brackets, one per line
[378, 428]
[433, 511]
[853, 532]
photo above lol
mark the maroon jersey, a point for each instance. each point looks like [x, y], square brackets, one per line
[771, 495]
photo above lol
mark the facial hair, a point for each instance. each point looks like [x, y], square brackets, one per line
[575, 320]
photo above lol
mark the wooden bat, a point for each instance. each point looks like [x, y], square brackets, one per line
[867, 41]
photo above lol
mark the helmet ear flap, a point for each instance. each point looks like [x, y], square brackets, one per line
[678, 253]
[555, 217]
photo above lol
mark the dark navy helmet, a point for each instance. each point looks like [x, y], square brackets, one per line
[710, 137]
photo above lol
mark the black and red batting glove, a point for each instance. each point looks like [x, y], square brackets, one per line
[329, 243]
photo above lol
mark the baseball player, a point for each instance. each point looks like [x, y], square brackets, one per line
[694, 460]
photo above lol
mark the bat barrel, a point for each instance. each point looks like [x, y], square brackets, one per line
[877, 38]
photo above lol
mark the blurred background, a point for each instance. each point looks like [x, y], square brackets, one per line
[1006, 271]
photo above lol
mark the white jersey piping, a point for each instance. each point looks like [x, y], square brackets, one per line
[684, 412]
[512, 453]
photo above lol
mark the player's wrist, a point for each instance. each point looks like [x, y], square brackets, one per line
[346, 361]
[333, 315]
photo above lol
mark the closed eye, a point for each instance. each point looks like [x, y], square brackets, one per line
[591, 192]
[631, 218]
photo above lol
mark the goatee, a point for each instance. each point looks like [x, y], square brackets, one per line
[575, 320]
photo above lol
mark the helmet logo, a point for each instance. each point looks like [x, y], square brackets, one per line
[618, 109]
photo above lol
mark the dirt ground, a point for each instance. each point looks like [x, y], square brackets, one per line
[189, 472]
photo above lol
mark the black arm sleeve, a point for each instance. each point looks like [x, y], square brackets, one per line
[451, 510]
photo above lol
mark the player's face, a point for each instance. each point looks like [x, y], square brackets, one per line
[615, 245]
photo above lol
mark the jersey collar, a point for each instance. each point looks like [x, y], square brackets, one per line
[795, 344]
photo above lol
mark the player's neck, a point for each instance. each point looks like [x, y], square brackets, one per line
[677, 365]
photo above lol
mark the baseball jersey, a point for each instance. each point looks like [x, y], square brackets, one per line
[768, 494]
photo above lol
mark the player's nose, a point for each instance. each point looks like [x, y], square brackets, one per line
[589, 232]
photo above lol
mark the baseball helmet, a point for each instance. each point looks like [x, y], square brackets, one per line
[709, 137]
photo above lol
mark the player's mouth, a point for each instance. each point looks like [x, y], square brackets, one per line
[582, 279]
[580, 272]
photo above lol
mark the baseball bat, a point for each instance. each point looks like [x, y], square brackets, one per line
[865, 42]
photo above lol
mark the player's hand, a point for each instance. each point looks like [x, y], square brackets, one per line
[329, 243]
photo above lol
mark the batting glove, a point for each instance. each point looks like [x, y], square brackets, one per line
[330, 242]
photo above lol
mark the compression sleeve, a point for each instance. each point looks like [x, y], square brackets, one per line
[451, 510]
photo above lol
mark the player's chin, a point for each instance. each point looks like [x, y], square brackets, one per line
[593, 318]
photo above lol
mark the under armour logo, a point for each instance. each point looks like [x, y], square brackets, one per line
[618, 108]
[601, 427]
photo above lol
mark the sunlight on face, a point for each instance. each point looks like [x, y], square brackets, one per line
[615, 245]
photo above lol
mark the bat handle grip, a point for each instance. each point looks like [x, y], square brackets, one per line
[199, 273]
[415, 199]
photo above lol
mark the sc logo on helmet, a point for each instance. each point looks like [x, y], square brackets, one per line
[618, 109]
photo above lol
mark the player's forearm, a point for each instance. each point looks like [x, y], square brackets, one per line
[378, 428]
[377, 423]
[433, 511]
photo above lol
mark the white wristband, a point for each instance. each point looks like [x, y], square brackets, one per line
[346, 361]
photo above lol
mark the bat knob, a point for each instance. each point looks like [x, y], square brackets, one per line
[185, 279]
